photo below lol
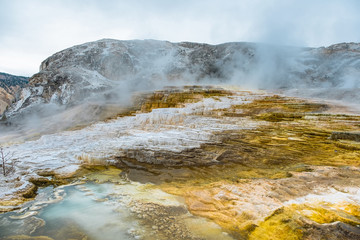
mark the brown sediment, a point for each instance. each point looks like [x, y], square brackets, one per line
[43, 181]
[30, 192]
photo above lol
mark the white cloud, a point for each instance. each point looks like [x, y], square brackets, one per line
[30, 31]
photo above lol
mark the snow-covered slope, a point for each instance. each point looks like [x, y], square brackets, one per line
[108, 71]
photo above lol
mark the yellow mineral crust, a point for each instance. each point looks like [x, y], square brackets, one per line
[271, 166]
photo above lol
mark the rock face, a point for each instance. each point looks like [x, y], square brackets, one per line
[9, 85]
[114, 68]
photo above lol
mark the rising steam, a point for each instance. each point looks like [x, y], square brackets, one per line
[96, 80]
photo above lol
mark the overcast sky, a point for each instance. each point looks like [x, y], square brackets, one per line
[32, 30]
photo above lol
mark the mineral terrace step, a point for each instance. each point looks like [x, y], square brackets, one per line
[353, 136]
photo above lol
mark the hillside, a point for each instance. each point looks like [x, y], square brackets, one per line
[7, 81]
[9, 85]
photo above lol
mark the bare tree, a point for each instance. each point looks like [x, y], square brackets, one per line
[6, 159]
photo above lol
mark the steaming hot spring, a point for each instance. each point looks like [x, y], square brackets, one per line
[150, 139]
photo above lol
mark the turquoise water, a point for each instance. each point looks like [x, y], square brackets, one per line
[84, 211]
[106, 211]
[91, 211]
